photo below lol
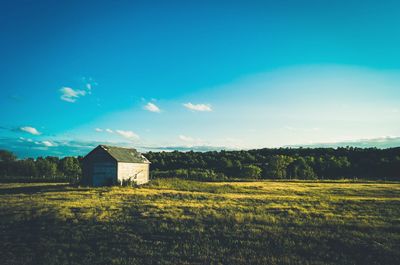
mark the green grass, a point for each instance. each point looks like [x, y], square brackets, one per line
[186, 222]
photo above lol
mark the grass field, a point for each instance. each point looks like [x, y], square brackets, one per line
[183, 222]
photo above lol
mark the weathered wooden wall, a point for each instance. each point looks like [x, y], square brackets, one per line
[138, 172]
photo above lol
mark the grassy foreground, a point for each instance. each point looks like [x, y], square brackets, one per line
[183, 222]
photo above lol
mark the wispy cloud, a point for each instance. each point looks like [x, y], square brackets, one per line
[152, 107]
[22, 139]
[89, 84]
[46, 143]
[190, 141]
[197, 107]
[29, 148]
[25, 147]
[186, 138]
[104, 130]
[379, 142]
[71, 95]
[128, 134]
[30, 130]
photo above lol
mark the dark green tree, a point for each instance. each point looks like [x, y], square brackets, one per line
[70, 166]
[300, 169]
[46, 168]
[275, 167]
[7, 156]
[251, 172]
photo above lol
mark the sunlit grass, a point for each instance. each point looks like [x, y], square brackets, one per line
[171, 221]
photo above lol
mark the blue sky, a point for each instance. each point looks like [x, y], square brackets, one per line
[198, 74]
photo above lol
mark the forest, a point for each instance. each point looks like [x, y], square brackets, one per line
[41, 169]
[280, 163]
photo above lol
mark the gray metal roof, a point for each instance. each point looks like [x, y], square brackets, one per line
[121, 154]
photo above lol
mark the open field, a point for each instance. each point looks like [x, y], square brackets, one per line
[182, 222]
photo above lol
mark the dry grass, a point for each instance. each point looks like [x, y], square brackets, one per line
[186, 222]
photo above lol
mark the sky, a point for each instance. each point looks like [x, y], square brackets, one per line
[198, 75]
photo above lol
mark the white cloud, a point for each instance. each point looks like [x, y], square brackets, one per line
[47, 143]
[152, 107]
[186, 138]
[71, 95]
[128, 134]
[108, 130]
[104, 130]
[190, 141]
[198, 107]
[89, 86]
[22, 139]
[30, 130]
[222, 143]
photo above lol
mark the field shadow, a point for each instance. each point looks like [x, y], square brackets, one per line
[36, 189]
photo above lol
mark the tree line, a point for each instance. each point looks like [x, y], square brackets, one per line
[41, 169]
[281, 163]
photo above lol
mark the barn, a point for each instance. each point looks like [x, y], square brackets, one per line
[110, 165]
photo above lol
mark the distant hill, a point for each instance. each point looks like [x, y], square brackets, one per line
[383, 142]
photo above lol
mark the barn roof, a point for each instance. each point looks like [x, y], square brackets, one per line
[121, 154]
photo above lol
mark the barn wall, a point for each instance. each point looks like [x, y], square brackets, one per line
[100, 164]
[138, 172]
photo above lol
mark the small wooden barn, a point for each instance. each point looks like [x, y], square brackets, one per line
[110, 165]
